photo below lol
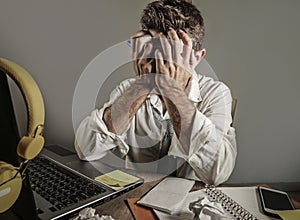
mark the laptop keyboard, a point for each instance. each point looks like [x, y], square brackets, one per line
[59, 186]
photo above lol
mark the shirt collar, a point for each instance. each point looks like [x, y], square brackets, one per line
[194, 94]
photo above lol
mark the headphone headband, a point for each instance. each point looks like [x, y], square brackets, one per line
[31, 144]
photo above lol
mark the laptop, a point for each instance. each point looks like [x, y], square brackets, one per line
[62, 184]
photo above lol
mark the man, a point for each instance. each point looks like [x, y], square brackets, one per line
[168, 117]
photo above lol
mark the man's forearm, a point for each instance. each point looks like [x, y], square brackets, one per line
[119, 114]
[181, 111]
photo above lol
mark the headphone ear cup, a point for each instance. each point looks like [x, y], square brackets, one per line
[10, 186]
[30, 147]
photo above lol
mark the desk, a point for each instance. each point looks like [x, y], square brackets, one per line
[118, 209]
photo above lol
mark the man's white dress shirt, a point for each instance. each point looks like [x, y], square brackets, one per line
[213, 149]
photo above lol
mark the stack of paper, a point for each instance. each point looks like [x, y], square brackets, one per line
[117, 179]
[168, 195]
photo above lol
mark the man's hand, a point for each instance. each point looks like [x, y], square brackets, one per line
[120, 113]
[174, 67]
[143, 58]
[174, 63]
[141, 49]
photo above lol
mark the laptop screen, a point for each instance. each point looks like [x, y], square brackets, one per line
[9, 135]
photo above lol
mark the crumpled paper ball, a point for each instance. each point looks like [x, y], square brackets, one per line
[205, 209]
[89, 214]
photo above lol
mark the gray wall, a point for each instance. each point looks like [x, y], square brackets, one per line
[253, 47]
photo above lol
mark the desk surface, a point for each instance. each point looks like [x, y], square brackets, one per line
[118, 209]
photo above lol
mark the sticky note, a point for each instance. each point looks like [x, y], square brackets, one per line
[289, 214]
[117, 178]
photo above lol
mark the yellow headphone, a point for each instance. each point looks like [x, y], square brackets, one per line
[29, 145]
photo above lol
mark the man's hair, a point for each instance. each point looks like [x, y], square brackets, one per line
[161, 15]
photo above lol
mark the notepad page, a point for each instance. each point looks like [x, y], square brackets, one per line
[168, 195]
[246, 197]
[183, 212]
[289, 214]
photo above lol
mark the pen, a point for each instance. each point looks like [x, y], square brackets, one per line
[128, 43]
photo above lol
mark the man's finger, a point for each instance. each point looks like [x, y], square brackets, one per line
[138, 34]
[159, 62]
[133, 42]
[187, 46]
[137, 45]
[177, 46]
[165, 46]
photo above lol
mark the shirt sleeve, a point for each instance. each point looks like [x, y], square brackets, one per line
[92, 139]
[213, 148]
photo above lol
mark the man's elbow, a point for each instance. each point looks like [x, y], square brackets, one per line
[223, 171]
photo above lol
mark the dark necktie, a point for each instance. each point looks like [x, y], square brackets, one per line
[167, 164]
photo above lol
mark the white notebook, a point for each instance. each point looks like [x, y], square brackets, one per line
[246, 198]
[238, 198]
[171, 198]
[168, 195]
[241, 198]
